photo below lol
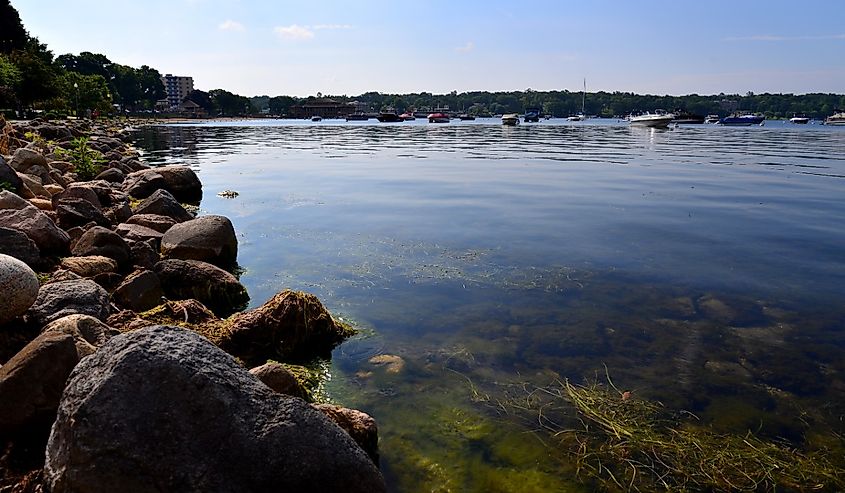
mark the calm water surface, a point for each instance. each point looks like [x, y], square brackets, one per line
[703, 266]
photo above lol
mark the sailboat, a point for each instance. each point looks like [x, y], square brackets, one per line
[580, 116]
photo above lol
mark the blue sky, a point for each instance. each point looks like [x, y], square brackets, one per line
[349, 47]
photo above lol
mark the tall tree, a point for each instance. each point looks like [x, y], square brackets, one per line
[12, 34]
[35, 63]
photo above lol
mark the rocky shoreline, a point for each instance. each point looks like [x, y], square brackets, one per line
[128, 363]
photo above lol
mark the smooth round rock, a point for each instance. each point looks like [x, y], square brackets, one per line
[18, 288]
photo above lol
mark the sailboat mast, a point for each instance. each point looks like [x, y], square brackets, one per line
[584, 96]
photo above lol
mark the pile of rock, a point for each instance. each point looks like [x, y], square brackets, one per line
[103, 352]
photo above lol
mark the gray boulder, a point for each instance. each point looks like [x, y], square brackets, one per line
[161, 202]
[8, 175]
[152, 221]
[18, 288]
[16, 244]
[360, 426]
[142, 184]
[104, 242]
[182, 182]
[182, 415]
[208, 238]
[212, 286]
[280, 379]
[112, 175]
[19, 214]
[140, 291]
[89, 266]
[136, 232]
[76, 212]
[25, 158]
[58, 299]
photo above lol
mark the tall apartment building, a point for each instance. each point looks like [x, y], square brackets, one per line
[177, 87]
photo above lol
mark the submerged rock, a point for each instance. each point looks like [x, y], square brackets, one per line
[181, 415]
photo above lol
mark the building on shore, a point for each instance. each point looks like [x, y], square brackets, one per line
[178, 88]
[324, 108]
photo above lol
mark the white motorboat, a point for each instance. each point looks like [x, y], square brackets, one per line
[658, 119]
[712, 119]
[800, 120]
[510, 119]
[837, 118]
[580, 117]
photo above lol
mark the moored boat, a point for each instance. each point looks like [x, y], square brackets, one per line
[577, 118]
[465, 116]
[357, 117]
[799, 120]
[742, 120]
[837, 118]
[316, 118]
[532, 115]
[658, 119]
[388, 117]
[711, 119]
[407, 116]
[510, 119]
[438, 118]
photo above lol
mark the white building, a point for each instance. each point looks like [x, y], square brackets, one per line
[178, 88]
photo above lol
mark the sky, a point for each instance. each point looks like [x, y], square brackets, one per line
[334, 47]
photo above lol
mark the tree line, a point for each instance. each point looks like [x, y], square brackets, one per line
[31, 77]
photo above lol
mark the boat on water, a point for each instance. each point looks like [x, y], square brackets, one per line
[799, 120]
[510, 119]
[837, 118]
[711, 119]
[466, 117]
[316, 118]
[357, 117]
[742, 120]
[658, 119]
[532, 115]
[388, 117]
[580, 117]
[684, 118]
[438, 118]
[407, 116]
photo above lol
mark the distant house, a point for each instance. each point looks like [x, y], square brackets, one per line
[191, 109]
[324, 108]
[162, 105]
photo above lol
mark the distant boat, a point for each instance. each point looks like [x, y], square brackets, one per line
[711, 119]
[742, 120]
[510, 119]
[388, 117]
[357, 117]
[837, 118]
[580, 116]
[799, 120]
[532, 115]
[316, 118]
[438, 118]
[658, 119]
[688, 119]
[465, 116]
[406, 116]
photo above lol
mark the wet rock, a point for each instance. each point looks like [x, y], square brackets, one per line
[104, 242]
[74, 212]
[17, 213]
[167, 397]
[16, 244]
[212, 286]
[280, 379]
[140, 291]
[142, 184]
[359, 425]
[18, 288]
[162, 203]
[182, 182]
[291, 325]
[152, 221]
[390, 362]
[89, 266]
[208, 238]
[58, 299]
[716, 309]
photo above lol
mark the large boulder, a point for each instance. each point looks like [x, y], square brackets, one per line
[17, 244]
[18, 288]
[8, 175]
[163, 409]
[280, 379]
[19, 214]
[161, 202]
[142, 184]
[152, 221]
[360, 426]
[182, 182]
[90, 266]
[25, 158]
[76, 212]
[101, 241]
[58, 299]
[31, 383]
[212, 286]
[291, 325]
[139, 291]
[136, 232]
[208, 238]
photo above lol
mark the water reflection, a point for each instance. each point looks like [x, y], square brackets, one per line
[702, 266]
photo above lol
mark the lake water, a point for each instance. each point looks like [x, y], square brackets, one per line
[702, 267]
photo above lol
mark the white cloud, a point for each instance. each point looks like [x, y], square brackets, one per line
[230, 25]
[294, 32]
[466, 48]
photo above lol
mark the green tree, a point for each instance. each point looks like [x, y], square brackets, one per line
[38, 76]
[280, 105]
[12, 34]
[10, 79]
[82, 93]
